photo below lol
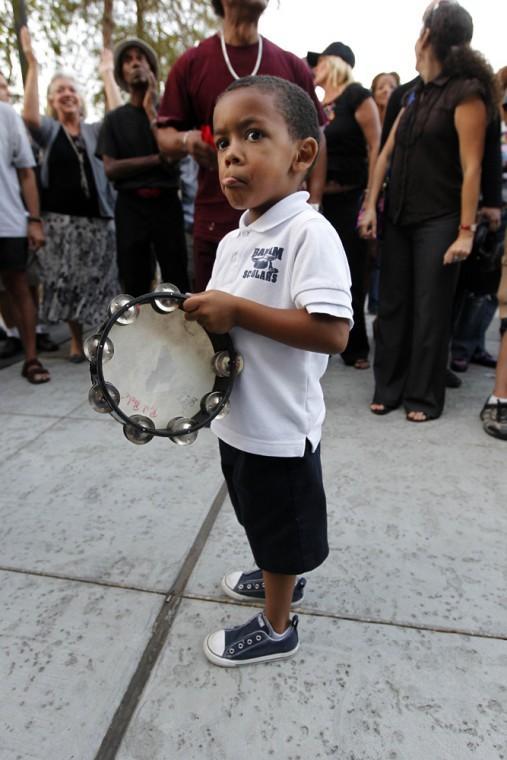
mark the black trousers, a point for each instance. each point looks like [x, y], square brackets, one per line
[341, 210]
[415, 313]
[150, 230]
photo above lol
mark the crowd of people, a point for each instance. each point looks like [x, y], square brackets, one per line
[409, 176]
[315, 190]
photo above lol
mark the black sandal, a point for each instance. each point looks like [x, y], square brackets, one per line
[34, 372]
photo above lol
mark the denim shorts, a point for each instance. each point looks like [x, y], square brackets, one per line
[281, 504]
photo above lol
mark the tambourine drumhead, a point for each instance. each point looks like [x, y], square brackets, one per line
[162, 365]
[156, 373]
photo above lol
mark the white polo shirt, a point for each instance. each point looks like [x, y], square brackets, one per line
[290, 258]
[15, 153]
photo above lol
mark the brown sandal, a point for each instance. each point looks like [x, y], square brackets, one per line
[34, 372]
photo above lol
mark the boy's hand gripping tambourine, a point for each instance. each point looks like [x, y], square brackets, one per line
[156, 373]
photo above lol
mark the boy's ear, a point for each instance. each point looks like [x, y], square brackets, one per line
[306, 155]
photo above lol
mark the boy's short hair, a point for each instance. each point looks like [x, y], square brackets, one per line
[294, 104]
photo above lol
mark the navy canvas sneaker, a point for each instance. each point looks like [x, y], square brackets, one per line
[249, 587]
[254, 641]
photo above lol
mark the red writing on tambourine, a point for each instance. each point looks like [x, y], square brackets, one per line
[207, 135]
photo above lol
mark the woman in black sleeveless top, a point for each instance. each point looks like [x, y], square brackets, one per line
[352, 139]
[435, 151]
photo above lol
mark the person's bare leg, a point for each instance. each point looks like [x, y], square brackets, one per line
[22, 309]
[500, 389]
[6, 309]
[76, 337]
[279, 590]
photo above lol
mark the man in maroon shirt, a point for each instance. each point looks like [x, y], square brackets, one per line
[195, 81]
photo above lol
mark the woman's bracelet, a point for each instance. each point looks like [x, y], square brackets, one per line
[36, 219]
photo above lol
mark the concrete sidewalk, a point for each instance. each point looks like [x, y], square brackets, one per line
[110, 566]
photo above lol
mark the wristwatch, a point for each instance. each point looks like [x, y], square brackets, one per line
[37, 219]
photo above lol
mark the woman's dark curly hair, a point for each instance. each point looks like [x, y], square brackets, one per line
[218, 7]
[451, 29]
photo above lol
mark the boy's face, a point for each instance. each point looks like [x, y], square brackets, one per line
[259, 163]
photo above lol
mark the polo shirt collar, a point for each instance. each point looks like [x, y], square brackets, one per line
[280, 212]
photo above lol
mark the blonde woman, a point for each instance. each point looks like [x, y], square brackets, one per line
[79, 274]
[352, 139]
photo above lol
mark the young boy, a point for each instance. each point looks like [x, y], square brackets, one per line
[281, 287]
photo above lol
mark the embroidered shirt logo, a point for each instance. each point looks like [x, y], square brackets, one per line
[263, 268]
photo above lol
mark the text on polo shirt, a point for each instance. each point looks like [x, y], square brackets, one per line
[263, 268]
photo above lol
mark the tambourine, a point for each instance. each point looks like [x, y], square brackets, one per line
[157, 373]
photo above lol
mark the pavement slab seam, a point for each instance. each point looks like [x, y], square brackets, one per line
[311, 612]
[30, 416]
[14, 453]
[80, 579]
[161, 629]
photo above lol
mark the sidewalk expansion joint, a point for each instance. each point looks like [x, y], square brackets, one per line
[308, 612]
[161, 628]
[78, 579]
[14, 453]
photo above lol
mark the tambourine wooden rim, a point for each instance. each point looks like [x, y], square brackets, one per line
[222, 385]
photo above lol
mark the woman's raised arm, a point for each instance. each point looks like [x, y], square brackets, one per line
[31, 108]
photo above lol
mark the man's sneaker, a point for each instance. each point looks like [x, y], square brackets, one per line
[250, 587]
[251, 642]
[494, 419]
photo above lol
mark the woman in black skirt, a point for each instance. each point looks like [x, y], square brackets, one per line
[78, 263]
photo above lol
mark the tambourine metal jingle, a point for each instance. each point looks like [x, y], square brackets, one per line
[161, 367]
[124, 316]
[181, 431]
[91, 347]
[139, 429]
[215, 403]
[167, 305]
[227, 363]
[100, 396]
